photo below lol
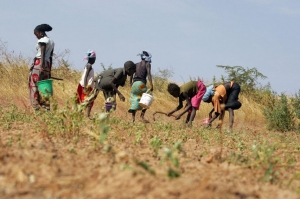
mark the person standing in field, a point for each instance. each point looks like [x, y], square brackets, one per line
[139, 84]
[108, 82]
[223, 97]
[86, 83]
[41, 66]
[191, 92]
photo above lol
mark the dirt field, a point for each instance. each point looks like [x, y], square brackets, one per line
[35, 164]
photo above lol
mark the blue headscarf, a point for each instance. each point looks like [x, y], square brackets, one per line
[209, 92]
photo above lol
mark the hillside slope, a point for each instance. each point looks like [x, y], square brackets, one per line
[62, 154]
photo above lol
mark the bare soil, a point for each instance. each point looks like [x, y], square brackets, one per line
[34, 164]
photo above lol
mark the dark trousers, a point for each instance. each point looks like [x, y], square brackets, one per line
[233, 96]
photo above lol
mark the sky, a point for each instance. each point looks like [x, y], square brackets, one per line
[188, 37]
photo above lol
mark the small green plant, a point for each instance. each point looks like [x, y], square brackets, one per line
[263, 156]
[125, 167]
[164, 126]
[155, 143]
[296, 176]
[240, 146]
[268, 176]
[138, 137]
[104, 127]
[10, 141]
[171, 158]
[72, 150]
[145, 166]
[172, 173]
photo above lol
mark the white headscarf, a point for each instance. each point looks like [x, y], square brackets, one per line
[143, 56]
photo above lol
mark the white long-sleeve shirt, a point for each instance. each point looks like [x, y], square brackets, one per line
[90, 77]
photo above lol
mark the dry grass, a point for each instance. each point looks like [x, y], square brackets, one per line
[14, 75]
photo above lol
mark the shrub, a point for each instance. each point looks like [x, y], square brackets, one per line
[280, 117]
[296, 104]
[263, 96]
[296, 107]
[247, 78]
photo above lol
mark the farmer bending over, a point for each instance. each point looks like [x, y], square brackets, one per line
[108, 82]
[223, 97]
[192, 92]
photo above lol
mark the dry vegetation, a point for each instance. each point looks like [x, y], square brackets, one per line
[61, 154]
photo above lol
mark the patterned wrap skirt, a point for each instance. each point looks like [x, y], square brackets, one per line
[137, 90]
[81, 95]
[37, 73]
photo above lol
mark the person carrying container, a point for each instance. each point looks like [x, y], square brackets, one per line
[139, 85]
[41, 66]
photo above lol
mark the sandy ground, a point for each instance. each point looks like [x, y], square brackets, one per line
[36, 165]
[42, 167]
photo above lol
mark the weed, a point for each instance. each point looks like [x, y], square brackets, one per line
[145, 166]
[12, 114]
[155, 143]
[125, 167]
[104, 128]
[171, 158]
[240, 146]
[164, 126]
[72, 150]
[138, 138]
[172, 173]
[10, 141]
[296, 176]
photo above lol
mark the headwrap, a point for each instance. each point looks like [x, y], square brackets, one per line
[90, 54]
[145, 57]
[43, 28]
[209, 92]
